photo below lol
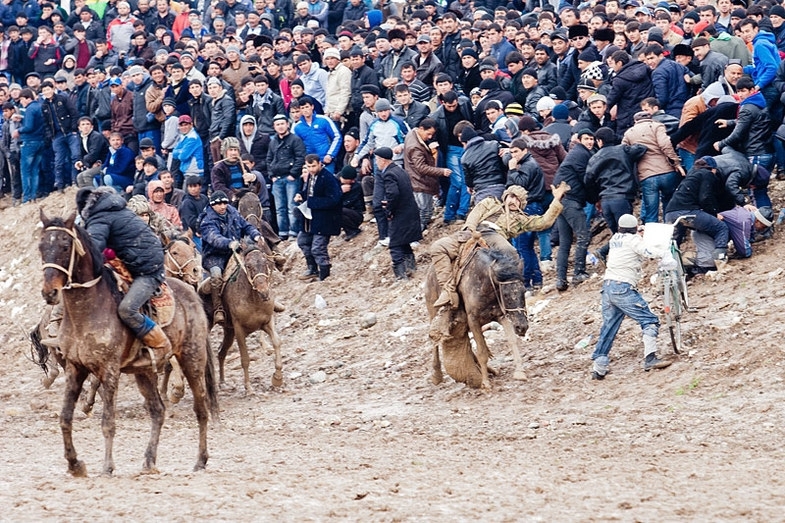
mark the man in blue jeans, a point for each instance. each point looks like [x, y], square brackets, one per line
[620, 297]
[60, 118]
[285, 160]
[32, 134]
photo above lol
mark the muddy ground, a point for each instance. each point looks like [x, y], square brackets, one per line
[359, 433]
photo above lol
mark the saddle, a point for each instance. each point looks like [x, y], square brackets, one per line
[470, 243]
[161, 306]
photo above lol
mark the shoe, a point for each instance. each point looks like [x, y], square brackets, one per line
[597, 376]
[160, 345]
[293, 235]
[384, 242]
[580, 278]
[351, 235]
[324, 272]
[546, 265]
[413, 245]
[447, 298]
[561, 285]
[653, 362]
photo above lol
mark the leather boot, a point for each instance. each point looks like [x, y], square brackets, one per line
[159, 344]
[218, 308]
[399, 269]
[324, 271]
[442, 266]
[313, 270]
[410, 263]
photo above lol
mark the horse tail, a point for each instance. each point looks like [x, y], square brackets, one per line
[210, 383]
[39, 353]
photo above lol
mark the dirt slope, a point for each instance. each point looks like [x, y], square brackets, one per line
[359, 433]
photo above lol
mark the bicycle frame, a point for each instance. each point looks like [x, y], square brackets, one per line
[675, 299]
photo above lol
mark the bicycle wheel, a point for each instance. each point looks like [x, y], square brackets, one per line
[672, 306]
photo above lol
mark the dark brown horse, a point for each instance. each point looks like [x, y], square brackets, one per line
[249, 306]
[491, 289]
[94, 340]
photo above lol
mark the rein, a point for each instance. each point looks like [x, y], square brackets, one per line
[241, 263]
[180, 268]
[77, 249]
[497, 290]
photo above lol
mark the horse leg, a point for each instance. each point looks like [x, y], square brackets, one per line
[226, 344]
[51, 369]
[109, 395]
[147, 383]
[437, 377]
[75, 377]
[194, 366]
[244, 359]
[512, 339]
[178, 386]
[483, 354]
[276, 341]
[89, 403]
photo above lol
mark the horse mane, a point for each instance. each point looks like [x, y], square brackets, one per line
[505, 266]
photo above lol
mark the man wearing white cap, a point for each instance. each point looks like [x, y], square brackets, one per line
[339, 85]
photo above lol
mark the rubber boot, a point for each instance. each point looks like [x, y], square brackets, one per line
[324, 271]
[313, 270]
[399, 269]
[218, 309]
[159, 345]
[442, 266]
[410, 263]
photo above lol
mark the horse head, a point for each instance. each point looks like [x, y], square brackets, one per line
[510, 290]
[258, 266]
[250, 207]
[67, 258]
[182, 260]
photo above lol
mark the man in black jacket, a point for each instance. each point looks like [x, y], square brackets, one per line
[483, 169]
[93, 148]
[751, 134]
[60, 119]
[361, 75]
[285, 160]
[572, 220]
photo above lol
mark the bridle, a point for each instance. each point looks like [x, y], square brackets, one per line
[252, 279]
[77, 249]
[497, 290]
[180, 267]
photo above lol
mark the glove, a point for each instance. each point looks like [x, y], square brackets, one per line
[235, 246]
[667, 263]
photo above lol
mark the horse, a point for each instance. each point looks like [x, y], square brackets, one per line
[491, 289]
[181, 257]
[94, 340]
[249, 306]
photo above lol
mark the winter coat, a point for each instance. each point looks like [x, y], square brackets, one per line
[468, 79]
[630, 86]
[199, 109]
[587, 120]
[737, 174]
[112, 225]
[257, 145]
[660, 157]
[124, 113]
[481, 122]
[221, 110]
[190, 210]
[765, 59]
[704, 128]
[546, 76]
[96, 151]
[33, 128]
[61, 109]
[221, 180]
[323, 195]
[43, 53]
[141, 122]
[751, 134]
[403, 214]
[465, 109]
[362, 76]
[189, 151]
[416, 113]
[712, 67]
[699, 190]
[219, 231]
[670, 87]
[339, 85]
[547, 151]
[419, 162]
[611, 173]
[563, 129]
[320, 137]
[269, 105]
[285, 156]
[573, 171]
[121, 163]
[181, 96]
[482, 165]
[528, 175]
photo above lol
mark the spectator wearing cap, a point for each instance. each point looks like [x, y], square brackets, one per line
[120, 29]
[45, 52]
[370, 94]
[390, 65]
[60, 118]
[386, 130]
[409, 110]
[339, 85]
[595, 115]
[469, 74]
[319, 134]
[237, 69]
[712, 63]
[668, 79]
[572, 220]
[145, 122]
[193, 204]
[531, 93]
[426, 63]
[140, 51]
[490, 90]
[188, 151]
[285, 160]
[659, 169]
[122, 109]
[631, 85]
[266, 104]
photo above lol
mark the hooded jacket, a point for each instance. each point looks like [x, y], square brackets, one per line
[630, 86]
[548, 151]
[256, 144]
[765, 59]
[219, 231]
[112, 225]
[752, 128]
[164, 209]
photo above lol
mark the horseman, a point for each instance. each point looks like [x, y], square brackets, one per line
[113, 227]
[498, 222]
[222, 227]
[160, 225]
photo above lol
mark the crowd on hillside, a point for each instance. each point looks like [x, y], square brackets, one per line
[676, 103]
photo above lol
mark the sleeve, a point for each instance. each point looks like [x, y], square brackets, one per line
[740, 131]
[212, 235]
[298, 147]
[331, 190]
[478, 214]
[392, 193]
[99, 233]
[335, 146]
[545, 221]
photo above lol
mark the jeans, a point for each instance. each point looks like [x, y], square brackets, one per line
[425, 205]
[142, 288]
[30, 168]
[458, 198]
[524, 244]
[764, 160]
[66, 152]
[544, 237]
[654, 189]
[284, 190]
[314, 245]
[703, 222]
[760, 186]
[378, 211]
[572, 220]
[621, 299]
[613, 209]
[488, 191]
[687, 159]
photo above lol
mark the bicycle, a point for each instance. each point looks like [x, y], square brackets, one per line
[674, 281]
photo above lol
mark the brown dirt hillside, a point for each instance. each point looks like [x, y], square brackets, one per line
[359, 433]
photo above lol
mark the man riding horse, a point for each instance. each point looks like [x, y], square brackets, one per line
[498, 222]
[114, 227]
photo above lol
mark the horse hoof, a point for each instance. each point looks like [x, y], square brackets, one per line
[437, 379]
[227, 387]
[520, 376]
[87, 409]
[78, 470]
[47, 381]
[493, 371]
[486, 385]
[150, 470]
[176, 395]
[200, 465]
[277, 380]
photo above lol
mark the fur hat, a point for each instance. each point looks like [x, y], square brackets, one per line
[577, 30]
[527, 123]
[396, 33]
[517, 191]
[139, 205]
[230, 142]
